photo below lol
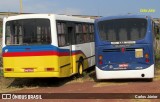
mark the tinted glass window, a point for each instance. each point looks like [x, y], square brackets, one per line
[62, 33]
[122, 29]
[28, 31]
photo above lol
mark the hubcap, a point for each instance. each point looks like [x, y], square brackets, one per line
[80, 69]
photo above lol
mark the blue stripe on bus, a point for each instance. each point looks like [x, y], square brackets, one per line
[33, 48]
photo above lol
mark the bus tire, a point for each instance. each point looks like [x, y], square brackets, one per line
[80, 69]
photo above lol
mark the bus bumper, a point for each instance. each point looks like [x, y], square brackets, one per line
[147, 73]
[32, 75]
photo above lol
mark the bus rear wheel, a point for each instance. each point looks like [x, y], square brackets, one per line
[80, 69]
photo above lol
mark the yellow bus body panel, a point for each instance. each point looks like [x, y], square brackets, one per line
[64, 66]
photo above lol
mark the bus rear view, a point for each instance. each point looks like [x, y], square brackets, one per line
[124, 47]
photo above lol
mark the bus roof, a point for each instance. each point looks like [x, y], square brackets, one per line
[57, 17]
[73, 18]
[121, 17]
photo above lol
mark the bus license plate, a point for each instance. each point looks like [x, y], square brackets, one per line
[123, 65]
[28, 70]
[138, 53]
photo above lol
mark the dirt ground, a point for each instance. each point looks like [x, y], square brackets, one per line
[87, 84]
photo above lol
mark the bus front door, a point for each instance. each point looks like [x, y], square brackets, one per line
[70, 38]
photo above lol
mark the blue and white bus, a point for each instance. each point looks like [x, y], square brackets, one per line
[124, 47]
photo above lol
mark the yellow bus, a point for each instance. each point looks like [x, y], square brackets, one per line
[47, 45]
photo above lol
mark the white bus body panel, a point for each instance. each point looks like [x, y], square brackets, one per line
[125, 74]
[88, 50]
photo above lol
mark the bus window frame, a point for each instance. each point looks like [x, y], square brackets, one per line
[77, 32]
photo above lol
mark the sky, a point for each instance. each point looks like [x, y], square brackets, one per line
[84, 7]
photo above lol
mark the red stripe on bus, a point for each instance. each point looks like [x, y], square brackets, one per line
[76, 53]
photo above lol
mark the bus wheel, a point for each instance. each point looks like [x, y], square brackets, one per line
[80, 69]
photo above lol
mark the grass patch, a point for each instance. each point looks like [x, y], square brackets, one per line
[1, 72]
[157, 65]
[4, 83]
[86, 77]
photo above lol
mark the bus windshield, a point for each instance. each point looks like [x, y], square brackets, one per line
[129, 29]
[28, 32]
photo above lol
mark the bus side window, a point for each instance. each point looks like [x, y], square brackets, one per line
[92, 33]
[61, 31]
[79, 34]
[85, 32]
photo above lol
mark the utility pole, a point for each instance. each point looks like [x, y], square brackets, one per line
[21, 6]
